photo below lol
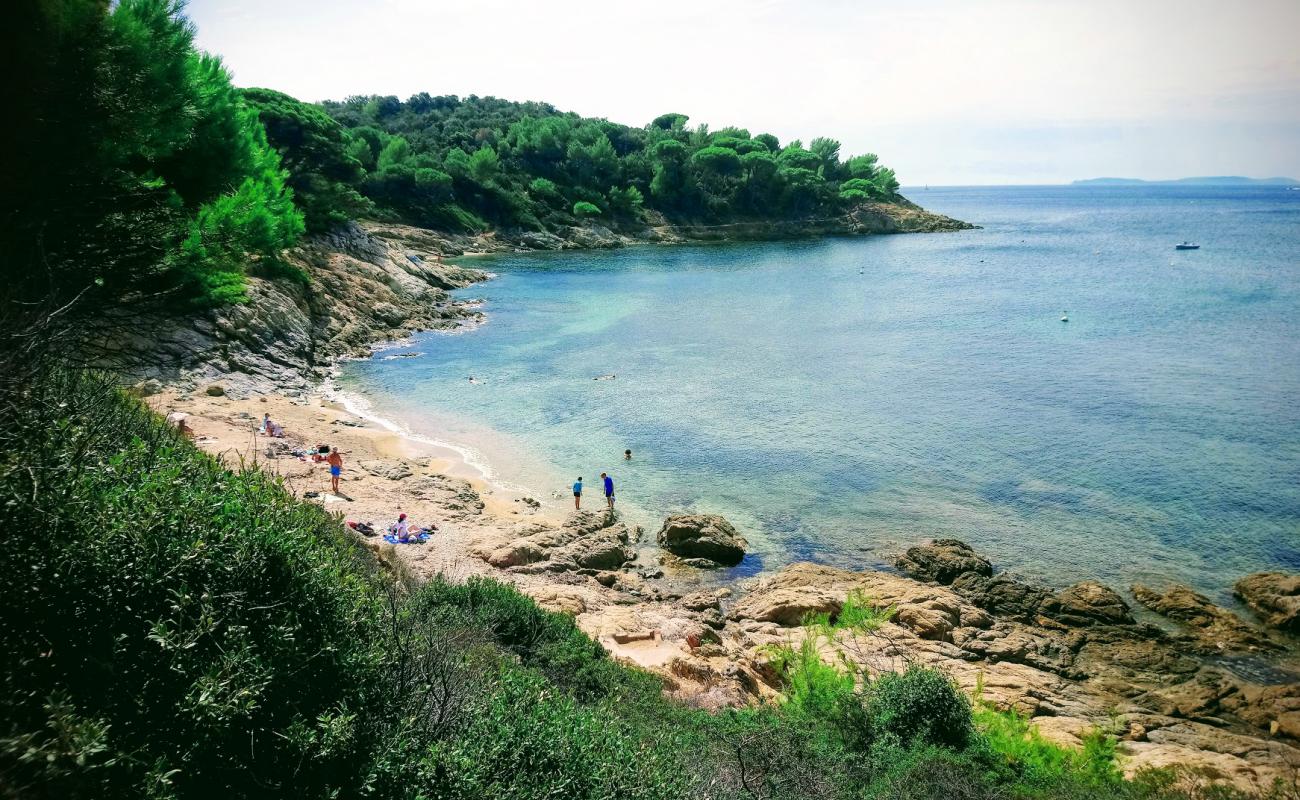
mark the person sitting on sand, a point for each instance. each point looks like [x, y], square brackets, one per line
[335, 461]
[609, 489]
[178, 418]
[577, 495]
[271, 428]
[401, 529]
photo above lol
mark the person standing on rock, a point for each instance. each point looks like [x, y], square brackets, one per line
[335, 461]
[609, 489]
[577, 495]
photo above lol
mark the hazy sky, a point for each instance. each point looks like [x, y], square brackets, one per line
[945, 91]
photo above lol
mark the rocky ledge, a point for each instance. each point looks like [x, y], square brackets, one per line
[1184, 683]
[361, 288]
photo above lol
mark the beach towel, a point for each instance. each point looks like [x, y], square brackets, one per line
[416, 539]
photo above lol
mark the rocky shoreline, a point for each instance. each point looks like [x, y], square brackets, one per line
[372, 282]
[1176, 678]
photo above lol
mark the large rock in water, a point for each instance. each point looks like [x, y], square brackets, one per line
[702, 536]
[1274, 596]
[942, 561]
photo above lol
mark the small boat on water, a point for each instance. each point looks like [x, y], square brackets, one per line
[1187, 246]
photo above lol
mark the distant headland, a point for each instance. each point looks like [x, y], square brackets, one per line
[1215, 180]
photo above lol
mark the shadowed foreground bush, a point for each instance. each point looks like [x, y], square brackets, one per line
[172, 629]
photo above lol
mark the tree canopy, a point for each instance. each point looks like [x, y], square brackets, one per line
[478, 162]
[143, 172]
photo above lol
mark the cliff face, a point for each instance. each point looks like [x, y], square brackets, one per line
[363, 289]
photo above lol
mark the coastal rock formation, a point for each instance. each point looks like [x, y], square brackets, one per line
[1070, 659]
[382, 468]
[586, 541]
[1085, 604]
[366, 286]
[702, 536]
[706, 536]
[943, 561]
[1217, 629]
[1002, 595]
[1274, 596]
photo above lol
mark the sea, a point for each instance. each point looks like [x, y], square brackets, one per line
[1060, 388]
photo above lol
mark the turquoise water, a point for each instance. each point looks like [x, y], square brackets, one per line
[841, 399]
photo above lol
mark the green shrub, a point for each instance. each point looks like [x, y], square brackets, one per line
[928, 772]
[583, 209]
[1038, 766]
[920, 705]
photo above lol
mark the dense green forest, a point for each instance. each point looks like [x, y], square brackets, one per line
[481, 162]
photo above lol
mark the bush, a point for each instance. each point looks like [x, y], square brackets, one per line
[918, 706]
[583, 209]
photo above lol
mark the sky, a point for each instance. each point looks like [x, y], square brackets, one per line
[947, 92]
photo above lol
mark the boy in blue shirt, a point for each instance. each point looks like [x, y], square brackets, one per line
[577, 495]
[609, 489]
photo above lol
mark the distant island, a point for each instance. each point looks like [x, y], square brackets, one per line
[1213, 180]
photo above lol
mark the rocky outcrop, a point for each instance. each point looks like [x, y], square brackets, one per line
[943, 561]
[1216, 629]
[1003, 595]
[703, 536]
[383, 468]
[1074, 659]
[1086, 604]
[363, 285]
[1274, 596]
[586, 541]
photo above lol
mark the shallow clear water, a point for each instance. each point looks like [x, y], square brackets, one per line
[841, 399]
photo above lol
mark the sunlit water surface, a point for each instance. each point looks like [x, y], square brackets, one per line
[841, 399]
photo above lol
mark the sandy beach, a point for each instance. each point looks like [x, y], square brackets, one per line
[386, 473]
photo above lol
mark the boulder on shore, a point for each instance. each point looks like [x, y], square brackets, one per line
[586, 541]
[1003, 595]
[707, 536]
[942, 561]
[1274, 596]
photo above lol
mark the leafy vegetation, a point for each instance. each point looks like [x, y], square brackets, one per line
[142, 171]
[447, 162]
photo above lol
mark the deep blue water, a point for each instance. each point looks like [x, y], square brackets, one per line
[841, 399]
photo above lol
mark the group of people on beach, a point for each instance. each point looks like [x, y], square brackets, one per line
[323, 452]
[607, 483]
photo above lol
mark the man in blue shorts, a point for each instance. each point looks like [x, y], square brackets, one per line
[577, 495]
[609, 489]
[335, 461]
